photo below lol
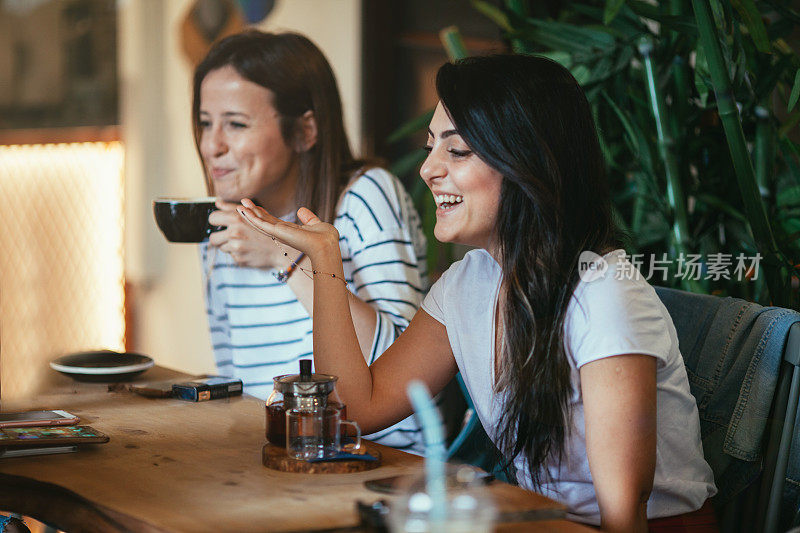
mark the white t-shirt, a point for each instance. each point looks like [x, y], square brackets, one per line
[614, 315]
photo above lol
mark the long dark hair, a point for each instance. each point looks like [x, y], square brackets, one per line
[526, 117]
[300, 78]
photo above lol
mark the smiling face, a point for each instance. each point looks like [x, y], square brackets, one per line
[241, 143]
[466, 190]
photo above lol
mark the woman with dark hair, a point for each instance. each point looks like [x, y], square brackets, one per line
[573, 365]
[268, 127]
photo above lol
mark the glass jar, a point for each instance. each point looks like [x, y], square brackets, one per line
[304, 391]
[466, 507]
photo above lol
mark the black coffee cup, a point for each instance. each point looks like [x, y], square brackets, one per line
[185, 219]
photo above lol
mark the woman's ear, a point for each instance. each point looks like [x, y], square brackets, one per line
[306, 132]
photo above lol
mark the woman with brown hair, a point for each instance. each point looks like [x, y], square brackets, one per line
[268, 127]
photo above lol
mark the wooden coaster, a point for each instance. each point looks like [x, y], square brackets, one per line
[275, 457]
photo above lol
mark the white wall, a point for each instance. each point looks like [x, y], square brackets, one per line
[169, 313]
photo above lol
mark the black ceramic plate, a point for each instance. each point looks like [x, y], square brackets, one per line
[102, 366]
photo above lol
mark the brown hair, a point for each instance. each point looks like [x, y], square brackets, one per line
[300, 78]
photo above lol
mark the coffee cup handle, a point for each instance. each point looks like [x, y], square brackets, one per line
[352, 448]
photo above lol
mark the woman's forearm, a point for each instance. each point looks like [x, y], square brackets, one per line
[363, 315]
[336, 344]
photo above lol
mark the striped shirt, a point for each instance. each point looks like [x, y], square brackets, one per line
[260, 330]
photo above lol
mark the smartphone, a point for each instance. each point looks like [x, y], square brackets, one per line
[32, 437]
[37, 418]
[44, 450]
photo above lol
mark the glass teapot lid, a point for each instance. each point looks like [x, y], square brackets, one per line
[305, 383]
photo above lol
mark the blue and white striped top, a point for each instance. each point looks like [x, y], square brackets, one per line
[260, 330]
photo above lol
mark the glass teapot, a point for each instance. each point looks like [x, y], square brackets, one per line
[304, 391]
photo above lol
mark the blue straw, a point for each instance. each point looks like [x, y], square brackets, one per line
[435, 451]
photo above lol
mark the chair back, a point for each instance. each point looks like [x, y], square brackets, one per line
[473, 446]
[743, 364]
[741, 360]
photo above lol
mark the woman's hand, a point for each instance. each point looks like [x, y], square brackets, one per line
[247, 246]
[315, 238]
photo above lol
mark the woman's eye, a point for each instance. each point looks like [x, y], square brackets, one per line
[204, 124]
[238, 125]
[460, 153]
[427, 148]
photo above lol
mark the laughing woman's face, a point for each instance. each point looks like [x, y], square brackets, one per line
[241, 142]
[466, 190]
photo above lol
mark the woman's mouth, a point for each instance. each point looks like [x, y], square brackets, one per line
[218, 173]
[447, 202]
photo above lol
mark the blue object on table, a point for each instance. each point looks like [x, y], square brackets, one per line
[12, 523]
[435, 450]
[346, 456]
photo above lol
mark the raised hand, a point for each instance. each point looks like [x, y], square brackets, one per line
[247, 247]
[312, 236]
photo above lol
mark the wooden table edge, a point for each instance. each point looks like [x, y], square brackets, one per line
[65, 510]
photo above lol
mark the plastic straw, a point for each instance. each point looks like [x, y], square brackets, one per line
[435, 451]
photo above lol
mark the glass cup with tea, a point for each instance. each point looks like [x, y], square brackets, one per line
[317, 433]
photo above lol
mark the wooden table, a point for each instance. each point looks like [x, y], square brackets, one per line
[173, 465]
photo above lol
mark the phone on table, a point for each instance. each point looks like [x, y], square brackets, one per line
[50, 436]
[37, 418]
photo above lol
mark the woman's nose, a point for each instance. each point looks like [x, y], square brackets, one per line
[214, 143]
[432, 167]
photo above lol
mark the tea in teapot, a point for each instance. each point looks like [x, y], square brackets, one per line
[304, 391]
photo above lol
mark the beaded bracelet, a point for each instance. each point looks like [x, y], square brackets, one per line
[334, 276]
[283, 274]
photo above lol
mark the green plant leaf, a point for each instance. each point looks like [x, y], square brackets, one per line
[795, 91]
[791, 155]
[702, 80]
[788, 197]
[755, 26]
[719, 14]
[611, 10]
[781, 7]
[562, 58]
[494, 13]
[453, 43]
[412, 126]
[565, 37]
[626, 24]
[582, 74]
[408, 164]
[626, 124]
[789, 123]
[766, 81]
[602, 69]
[721, 205]
[680, 24]
[791, 226]
[519, 7]
[644, 9]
